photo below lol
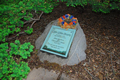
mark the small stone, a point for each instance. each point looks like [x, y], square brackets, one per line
[84, 64]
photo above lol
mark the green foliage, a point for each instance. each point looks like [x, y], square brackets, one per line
[41, 5]
[115, 6]
[77, 2]
[9, 69]
[22, 50]
[18, 30]
[29, 30]
[9, 1]
[12, 14]
[104, 6]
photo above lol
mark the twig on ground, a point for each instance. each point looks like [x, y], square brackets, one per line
[14, 36]
[60, 74]
[28, 21]
[111, 59]
[87, 78]
[110, 52]
[36, 19]
[112, 65]
[8, 39]
[32, 19]
[91, 74]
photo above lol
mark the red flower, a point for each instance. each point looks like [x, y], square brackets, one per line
[74, 21]
[64, 17]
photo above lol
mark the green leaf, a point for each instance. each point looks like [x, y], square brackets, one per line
[17, 42]
[113, 6]
[1, 75]
[20, 3]
[29, 31]
[27, 18]
[17, 34]
[18, 30]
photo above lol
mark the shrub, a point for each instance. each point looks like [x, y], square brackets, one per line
[104, 6]
[13, 15]
[9, 69]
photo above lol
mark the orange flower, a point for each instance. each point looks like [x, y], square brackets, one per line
[70, 23]
[68, 14]
[60, 20]
[65, 24]
[74, 18]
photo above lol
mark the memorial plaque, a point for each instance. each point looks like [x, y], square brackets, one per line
[58, 41]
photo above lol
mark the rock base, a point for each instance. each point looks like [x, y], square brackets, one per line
[76, 53]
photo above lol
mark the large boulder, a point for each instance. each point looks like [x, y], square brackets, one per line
[77, 50]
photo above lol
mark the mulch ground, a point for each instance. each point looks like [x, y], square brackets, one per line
[103, 43]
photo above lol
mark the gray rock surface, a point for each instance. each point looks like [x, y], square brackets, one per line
[44, 74]
[76, 53]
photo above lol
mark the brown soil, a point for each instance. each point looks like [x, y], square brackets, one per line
[103, 43]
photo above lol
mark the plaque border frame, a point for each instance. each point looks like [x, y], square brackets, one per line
[47, 37]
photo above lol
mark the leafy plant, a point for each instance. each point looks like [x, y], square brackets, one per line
[22, 50]
[9, 69]
[14, 15]
[29, 30]
[104, 6]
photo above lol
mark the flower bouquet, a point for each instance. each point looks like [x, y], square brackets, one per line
[67, 21]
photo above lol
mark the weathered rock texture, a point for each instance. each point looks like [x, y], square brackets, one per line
[76, 52]
[44, 74]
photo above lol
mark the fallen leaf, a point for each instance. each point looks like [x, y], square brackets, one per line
[118, 62]
[93, 60]
[70, 70]
[100, 76]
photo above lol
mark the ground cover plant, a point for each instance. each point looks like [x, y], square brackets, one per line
[14, 15]
[104, 6]
[18, 17]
